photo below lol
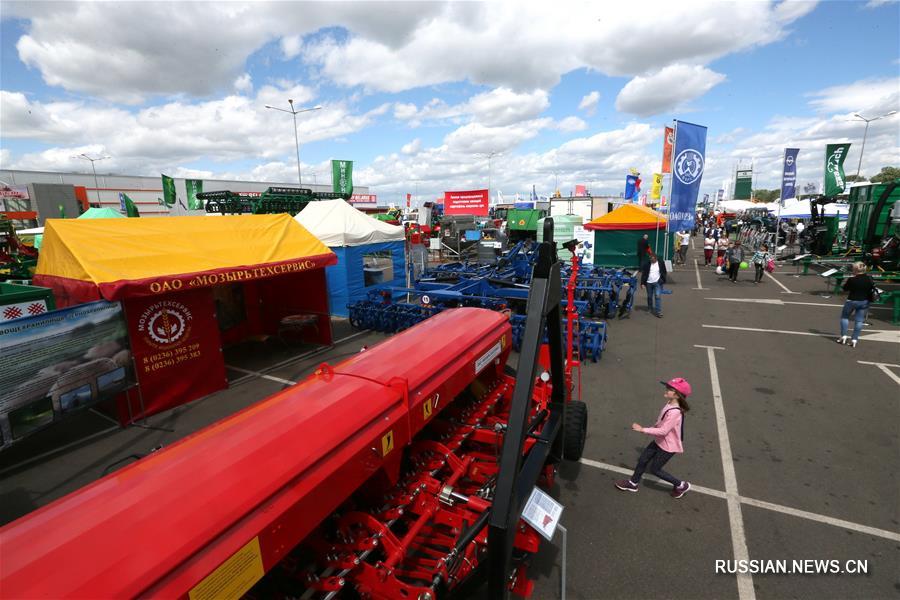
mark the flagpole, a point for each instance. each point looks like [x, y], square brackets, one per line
[669, 205]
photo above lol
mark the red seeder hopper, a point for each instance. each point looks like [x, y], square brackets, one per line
[399, 473]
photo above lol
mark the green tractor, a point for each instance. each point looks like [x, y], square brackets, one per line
[522, 223]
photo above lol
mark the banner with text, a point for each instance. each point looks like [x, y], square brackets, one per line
[687, 172]
[472, 202]
[789, 174]
[835, 181]
[59, 362]
[194, 187]
[656, 188]
[168, 186]
[342, 177]
[668, 144]
[743, 184]
[172, 337]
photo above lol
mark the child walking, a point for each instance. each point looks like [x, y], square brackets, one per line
[667, 439]
[759, 260]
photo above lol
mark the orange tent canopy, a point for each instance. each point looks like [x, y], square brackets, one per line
[628, 216]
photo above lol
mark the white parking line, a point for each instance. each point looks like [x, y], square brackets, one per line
[891, 336]
[781, 285]
[697, 271]
[884, 368]
[262, 375]
[735, 518]
[779, 508]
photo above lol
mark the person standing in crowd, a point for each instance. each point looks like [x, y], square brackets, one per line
[734, 257]
[643, 249]
[653, 276]
[668, 440]
[860, 290]
[709, 244]
[759, 260]
[684, 241]
[721, 247]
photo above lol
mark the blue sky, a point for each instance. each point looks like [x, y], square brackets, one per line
[417, 94]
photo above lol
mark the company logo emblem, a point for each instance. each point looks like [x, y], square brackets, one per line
[688, 166]
[834, 166]
[166, 323]
[789, 160]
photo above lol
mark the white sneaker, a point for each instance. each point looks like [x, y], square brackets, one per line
[842, 340]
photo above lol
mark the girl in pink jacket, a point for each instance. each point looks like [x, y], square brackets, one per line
[666, 439]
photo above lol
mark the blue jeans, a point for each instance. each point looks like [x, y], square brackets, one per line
[858, 308]
[654, 297]
[654, 457]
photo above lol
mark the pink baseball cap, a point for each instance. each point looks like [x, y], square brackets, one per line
[680, 385]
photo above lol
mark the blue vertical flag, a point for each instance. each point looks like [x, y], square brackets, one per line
[687, 171]
[789, 174]
[631, 187]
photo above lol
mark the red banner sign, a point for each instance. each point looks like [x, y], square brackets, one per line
[473, 202]
[177, 348]
[668, 145]
[364, 199]
[580, 190]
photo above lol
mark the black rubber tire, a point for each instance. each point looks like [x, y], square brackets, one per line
[575, 430]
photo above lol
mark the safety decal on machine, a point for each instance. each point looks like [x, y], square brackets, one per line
[234, 577]
[387, 442]
[487, 357]
[426, 409]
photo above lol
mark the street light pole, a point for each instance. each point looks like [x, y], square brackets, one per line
[866, 133]
[294, 112]
[93, 160]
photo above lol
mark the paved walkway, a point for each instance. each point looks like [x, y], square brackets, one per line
[791, 447]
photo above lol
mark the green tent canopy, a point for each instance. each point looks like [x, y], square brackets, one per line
[616, 234]
[101, 213]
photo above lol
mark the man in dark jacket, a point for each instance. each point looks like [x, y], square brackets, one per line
[653, 276]
[643, 249]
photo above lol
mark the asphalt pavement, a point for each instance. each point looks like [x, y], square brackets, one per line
[809, 470]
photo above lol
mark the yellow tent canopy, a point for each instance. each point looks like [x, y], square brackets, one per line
[628, 216]
[117, 258]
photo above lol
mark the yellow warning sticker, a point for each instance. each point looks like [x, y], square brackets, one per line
[387, 443]
[234, 577]
[426, 409]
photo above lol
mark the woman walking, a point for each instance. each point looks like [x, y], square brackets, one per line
[709, 244]
[860, 288]
[667, 439]
[734, 257]
[760, 258]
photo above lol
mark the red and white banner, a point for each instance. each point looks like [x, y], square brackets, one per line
[9, 312]
[580, 190]
[364, 199]
[472, 202]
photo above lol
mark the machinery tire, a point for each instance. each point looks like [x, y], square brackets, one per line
[574, 430]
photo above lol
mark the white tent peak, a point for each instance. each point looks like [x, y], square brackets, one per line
[336, 224]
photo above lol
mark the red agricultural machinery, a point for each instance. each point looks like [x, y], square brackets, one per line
[399, 473]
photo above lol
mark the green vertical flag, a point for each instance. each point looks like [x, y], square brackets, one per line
[834, 168]
[194, 187]
[342, 177]
[743, 181]
[168, 190]
[130, 209]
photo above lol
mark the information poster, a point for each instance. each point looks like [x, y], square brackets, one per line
[473, 202]
[55, 363]
[585, 248]
[177, 348]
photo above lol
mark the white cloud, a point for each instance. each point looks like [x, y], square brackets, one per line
[571, 124]
[233, 128]
[414, 147]
[244, 83]
[877, 3]
[291, 45]
[872, 96]
[496, 108]
[475, 138]
[666, 89]
[589, 102]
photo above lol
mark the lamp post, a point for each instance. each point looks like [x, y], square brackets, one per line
[865, 133]
[294, 112]
[93, 160]
[490, 155]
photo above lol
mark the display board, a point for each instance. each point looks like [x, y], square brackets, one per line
[56, 363]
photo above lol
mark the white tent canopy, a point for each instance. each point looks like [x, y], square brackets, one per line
[336, 223]
[799, 209]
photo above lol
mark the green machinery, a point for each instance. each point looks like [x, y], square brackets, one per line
[17, 261]
[275, 200]
[522, 223]
[873, 225]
